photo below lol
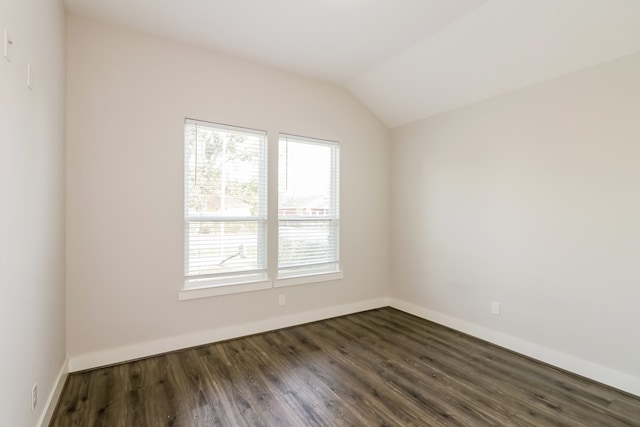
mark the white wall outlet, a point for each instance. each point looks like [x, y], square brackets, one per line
[282, 300]
[34, 396]
[8, 43]
[495, 308]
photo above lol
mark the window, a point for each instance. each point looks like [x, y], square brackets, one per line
[225, 211]
[225, 207]
[308, 206]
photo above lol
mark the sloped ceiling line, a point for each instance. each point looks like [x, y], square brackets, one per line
[406, 60]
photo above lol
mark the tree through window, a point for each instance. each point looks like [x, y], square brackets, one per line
[225, 204]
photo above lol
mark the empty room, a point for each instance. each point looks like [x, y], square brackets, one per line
[320, 213]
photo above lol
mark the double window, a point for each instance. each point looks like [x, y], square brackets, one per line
[225, 208]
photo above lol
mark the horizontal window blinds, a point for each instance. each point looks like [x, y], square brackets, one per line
[225, 203]
[308, 206]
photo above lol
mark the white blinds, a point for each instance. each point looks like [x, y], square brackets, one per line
[225, 204]
[308, 206]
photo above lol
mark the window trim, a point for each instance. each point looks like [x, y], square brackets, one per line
[229, 279]
[307, 279]
[227, 289]
[283, 277]
[207, 285]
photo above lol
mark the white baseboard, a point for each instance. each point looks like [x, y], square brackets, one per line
[570, 363]
[53, 397]
[150, 348]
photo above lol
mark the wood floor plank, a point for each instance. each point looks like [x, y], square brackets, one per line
[407, 388]
[499, 370]
[361, 392]
[409, 374]
[545, 386]
[449, 362]
[376, 368]
[318, 375]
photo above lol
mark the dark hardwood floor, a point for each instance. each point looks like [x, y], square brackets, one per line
[377, 368]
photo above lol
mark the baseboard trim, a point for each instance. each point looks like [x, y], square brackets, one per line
[52, 400]
[149, 348]
[585, 368]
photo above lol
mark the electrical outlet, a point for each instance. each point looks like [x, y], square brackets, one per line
[282, 300]
[34, 396]
[495, 308]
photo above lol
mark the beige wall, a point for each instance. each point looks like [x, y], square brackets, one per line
[530, 199]
[128, 95]
[32, 127]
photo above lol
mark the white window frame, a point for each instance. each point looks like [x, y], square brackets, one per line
[288, 276]
[201, 285]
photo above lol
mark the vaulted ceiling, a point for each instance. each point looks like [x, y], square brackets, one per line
[404, 59]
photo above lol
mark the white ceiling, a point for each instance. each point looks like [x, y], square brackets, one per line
[404, 59]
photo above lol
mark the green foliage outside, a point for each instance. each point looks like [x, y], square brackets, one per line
[221, 164]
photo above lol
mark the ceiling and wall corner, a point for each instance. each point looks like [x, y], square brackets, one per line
[333, 40]
[528, 199]
[405, 60]
[128, 95]
[500, 47]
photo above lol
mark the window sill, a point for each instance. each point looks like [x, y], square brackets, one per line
[213, 291]
[309, 278]
[260, 285]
